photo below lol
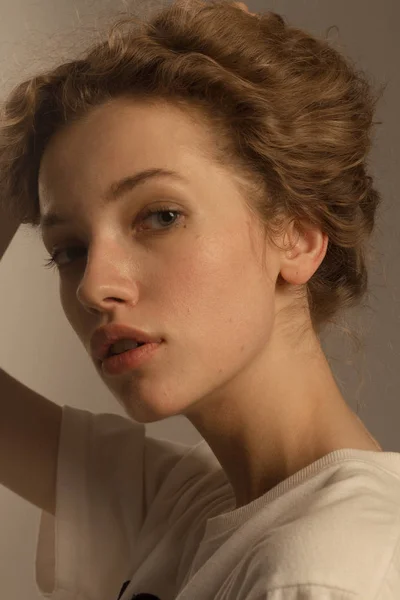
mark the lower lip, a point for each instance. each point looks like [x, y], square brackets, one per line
[131, 359]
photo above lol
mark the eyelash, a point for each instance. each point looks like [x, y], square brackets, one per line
[51, 262]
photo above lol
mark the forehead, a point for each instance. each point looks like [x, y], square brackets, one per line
[120, 127]
[115, 140]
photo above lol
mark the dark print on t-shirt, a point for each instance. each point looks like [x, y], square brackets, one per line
[137, 596]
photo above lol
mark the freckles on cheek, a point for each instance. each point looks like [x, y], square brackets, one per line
[206, 277]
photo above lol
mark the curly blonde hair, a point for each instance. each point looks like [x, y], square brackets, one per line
[285, 109]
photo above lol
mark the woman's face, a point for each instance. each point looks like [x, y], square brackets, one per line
[195, 278]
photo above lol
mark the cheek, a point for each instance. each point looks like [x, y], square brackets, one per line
[217, 294]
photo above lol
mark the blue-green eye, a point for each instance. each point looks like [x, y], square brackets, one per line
[160, 210]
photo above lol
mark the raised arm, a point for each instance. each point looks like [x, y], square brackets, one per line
[29, 427]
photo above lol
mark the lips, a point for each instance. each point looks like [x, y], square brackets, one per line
[106, 336]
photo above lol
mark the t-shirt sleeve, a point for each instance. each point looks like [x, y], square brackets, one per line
[108, 475]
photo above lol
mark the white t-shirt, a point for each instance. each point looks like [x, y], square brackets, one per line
[137, 515]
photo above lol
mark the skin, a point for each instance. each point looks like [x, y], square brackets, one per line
[266, 403]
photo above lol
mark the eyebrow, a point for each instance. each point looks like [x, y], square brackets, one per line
[116, 191]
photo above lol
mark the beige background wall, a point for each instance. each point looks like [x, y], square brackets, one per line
[37, 345]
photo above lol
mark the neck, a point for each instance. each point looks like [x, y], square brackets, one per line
[261, 436]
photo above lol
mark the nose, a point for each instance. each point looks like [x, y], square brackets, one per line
[106, 282]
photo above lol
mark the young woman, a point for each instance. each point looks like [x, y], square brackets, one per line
[200, 184]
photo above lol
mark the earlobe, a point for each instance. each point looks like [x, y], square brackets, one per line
[294, 275]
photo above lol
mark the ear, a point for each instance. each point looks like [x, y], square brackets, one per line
[307, 249]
